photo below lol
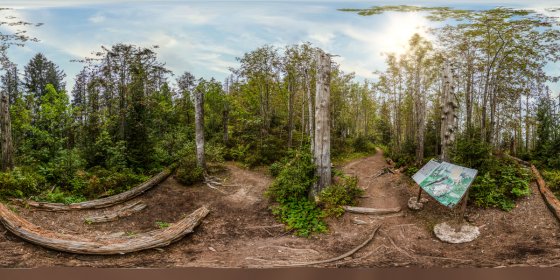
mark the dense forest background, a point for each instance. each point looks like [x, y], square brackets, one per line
[128, 116]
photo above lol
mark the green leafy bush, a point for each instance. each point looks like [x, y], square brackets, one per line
[275, 168]
[411, 170]
[59, 196]
[188, 171]
[294, 179]
[345, 192]
[362, 144]
[501, 185]
[302, 216]
[290, 191]
[552, 178]
[21, 182]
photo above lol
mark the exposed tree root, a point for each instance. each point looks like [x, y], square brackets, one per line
[347, 254]
[216, 183]
[371, 211]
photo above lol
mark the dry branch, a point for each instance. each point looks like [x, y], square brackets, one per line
[100, 246]
[347, 254]
[104, 202]
[371, 211]
[122, 212]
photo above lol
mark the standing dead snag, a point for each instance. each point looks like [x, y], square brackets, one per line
[6, 133]
[322, 143]
[199, 127]
[448, 114]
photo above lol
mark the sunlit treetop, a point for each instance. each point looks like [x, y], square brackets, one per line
[447, 13]
[9, 38]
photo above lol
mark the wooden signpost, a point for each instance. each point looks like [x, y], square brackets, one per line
[447, 183]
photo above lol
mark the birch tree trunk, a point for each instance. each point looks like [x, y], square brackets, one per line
[448, 114]
[322, 151]
[199, 128]
[6, 134]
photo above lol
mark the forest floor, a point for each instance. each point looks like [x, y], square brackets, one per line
[240, 231]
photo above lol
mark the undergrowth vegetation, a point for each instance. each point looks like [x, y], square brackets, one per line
[294, 177]
[499, 182]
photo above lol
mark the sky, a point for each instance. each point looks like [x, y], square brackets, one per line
[205, 37]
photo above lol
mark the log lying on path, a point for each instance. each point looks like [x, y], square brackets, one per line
[106, 201]
[100, 246]
[549, 197]
[371, 211]
[122, 212]
[518, 160]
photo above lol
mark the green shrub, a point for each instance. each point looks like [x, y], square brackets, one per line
[362, 144]
[189, 174]
[290, 191]
[501, 185]
[58, 196]
[275, 168]
[187, 171]
[411, 170]
[552, 178]
[21, 182]
[302, 216]
[294, 179]
[343, 193]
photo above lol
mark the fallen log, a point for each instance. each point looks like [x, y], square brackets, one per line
[100, 246]
[371, 211]
[103, 202]
[549, 198]
[518, 160]
[122, 212]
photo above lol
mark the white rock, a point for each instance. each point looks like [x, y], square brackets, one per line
[447, 233]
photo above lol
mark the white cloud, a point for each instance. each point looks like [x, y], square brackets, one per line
[98, 18]
[205, 38]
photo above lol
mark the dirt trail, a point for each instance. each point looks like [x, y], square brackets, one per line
[241, 232]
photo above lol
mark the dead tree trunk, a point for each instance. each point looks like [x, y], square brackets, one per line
[310, 111]
[6, 132]
[199, 128]
[322, 151]
[448, 114]
[291, 92]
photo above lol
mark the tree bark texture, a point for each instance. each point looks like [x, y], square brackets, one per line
[101, 245]
[322, 151]
[6, 134]
[448, 114]
[199, 128]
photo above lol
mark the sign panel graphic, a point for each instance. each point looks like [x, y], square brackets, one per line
[445, 182]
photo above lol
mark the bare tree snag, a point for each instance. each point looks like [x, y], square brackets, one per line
[448, 114]
[311, 119]
[106, 201]
[6, 133]
[100, 246]
[199, 128]
[122, 212]
[371, 211]
[322, 149]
